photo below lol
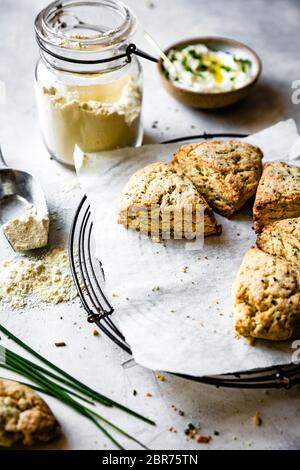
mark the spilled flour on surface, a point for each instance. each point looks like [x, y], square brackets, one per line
[29, 281]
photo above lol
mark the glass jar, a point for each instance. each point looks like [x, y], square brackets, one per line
[88, 91]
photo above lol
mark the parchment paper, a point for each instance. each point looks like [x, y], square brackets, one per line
[175, 321]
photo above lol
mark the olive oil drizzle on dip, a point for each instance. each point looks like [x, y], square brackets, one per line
[198, 68]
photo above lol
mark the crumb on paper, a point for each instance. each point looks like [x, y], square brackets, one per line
[172, 429]
[184, 269]
[95, 332]
[114, 294]
[160, 377]
[190, 431]
[149, 394]
[257, 420]
[134, 393]
[60, 344]
[193, 433]
[201, 439]
[155, 288]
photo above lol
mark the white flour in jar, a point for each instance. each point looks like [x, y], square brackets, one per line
[95, 117]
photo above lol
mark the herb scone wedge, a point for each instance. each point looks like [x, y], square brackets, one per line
[156, 200]
[24, 417]
[282, 239]
[226, 173]
[266, 297]
[278, 194]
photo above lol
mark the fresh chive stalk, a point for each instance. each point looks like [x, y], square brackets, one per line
[5, 366]
[72, 381]
[40, 376]
[55, 390]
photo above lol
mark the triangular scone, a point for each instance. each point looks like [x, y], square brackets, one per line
[266, 297]
[226, 173]
[282, 238]
[153, 196]
[278, 194]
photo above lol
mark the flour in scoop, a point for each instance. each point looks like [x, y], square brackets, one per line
[28, 232]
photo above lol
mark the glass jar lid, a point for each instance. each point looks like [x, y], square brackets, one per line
[84, 31]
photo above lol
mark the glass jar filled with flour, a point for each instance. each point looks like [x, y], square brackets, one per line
[88, 85]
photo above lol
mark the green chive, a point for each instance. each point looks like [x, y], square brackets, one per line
[83, 388]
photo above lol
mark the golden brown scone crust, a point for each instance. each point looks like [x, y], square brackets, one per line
[226, 173]
[282, 239]
[24, 417]
[158, 184]
[266, 297]
[278, 194]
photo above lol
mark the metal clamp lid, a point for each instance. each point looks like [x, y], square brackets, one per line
[130, 49]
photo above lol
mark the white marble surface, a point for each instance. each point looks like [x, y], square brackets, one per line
[273, 33]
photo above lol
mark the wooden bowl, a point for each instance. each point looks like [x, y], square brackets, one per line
[219, 99]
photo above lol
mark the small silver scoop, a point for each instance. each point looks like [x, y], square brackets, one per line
[18, 189]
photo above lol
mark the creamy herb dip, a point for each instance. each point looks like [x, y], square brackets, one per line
[198, 68]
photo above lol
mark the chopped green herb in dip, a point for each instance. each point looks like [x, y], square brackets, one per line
[201, 69]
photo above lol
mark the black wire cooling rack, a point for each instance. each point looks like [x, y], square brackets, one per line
[88, 276]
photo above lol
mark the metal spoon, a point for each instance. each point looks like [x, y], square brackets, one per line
[18, 189]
